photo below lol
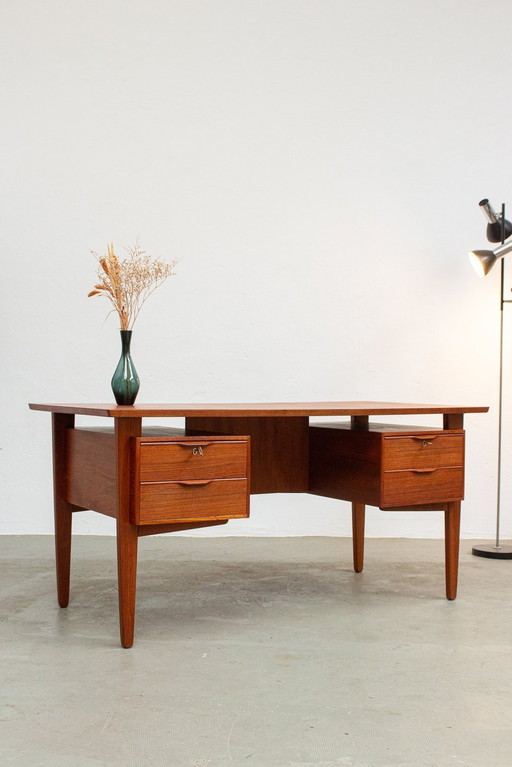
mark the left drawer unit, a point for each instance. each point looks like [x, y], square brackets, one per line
[190, 479]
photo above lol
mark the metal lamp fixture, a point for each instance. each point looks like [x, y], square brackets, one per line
[484, 260]
[498, 230]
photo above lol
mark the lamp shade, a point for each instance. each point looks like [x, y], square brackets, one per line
[498, 229]
[483, 260]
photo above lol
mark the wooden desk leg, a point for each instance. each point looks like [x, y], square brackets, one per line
[127, 545]
[61, 422]
[451, 543]
[127, 534]
[358, 510]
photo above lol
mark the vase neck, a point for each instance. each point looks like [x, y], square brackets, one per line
[126, 338]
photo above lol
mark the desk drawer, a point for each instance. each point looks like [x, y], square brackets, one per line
[188, 459]
[416, 486]
[423, 451]
[192, 500]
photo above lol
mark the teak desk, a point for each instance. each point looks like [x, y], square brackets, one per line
[164, 480]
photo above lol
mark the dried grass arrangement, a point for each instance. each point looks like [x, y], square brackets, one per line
[128, 282]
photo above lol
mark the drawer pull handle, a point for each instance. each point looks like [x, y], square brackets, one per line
[423, 471]
[196, 449]
[195, 482]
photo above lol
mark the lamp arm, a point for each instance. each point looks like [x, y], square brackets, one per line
[503, 249]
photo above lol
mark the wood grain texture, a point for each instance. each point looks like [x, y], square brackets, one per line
[345, 464]
[176, 527]
[282, 409]
[192, 458]
[451, 543]
[358, 515]
[394, 430]
[91, 470]
[96, 469]
[416, 507]
[417, 486]
[127, 534]
[165, 502]
[279, 449]
[61, 426]
[454, 420]
[379, 468]
[423, 451]
[361, 422]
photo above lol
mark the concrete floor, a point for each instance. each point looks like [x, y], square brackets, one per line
[261, 652]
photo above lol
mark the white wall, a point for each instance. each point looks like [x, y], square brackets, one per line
[316, 164]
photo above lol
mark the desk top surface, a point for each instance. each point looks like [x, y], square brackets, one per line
[262, 409]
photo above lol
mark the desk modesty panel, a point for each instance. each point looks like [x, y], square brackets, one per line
[156, 480]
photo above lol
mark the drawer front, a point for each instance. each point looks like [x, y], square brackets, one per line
[161, 502]
[423, 451]
[422, 486]
[198, 459]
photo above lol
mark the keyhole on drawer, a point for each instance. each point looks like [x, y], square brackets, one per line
[425, 443]
[197, 451]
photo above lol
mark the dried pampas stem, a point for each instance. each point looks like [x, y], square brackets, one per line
[129, 282]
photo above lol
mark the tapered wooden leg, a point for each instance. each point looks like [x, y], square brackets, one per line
[127, 540]
[127, 534]
[358, 510]
[61, 422]
[451, 543]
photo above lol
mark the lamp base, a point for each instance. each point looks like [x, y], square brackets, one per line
[492, 551]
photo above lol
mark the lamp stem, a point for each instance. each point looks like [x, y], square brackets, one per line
[500, 409]
[488, 550]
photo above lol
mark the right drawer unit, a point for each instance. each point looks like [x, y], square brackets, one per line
[385, 465]
[422, 468]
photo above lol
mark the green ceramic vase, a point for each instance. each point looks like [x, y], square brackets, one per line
[125, 381]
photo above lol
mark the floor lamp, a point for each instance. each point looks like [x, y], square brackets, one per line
[498, 230]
